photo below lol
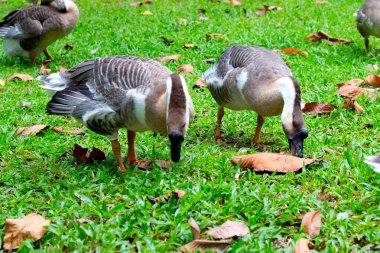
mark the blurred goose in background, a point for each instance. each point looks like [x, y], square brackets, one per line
[374, 162]
[138, 94]
[27, 32]
[257, 79]
[368, 20]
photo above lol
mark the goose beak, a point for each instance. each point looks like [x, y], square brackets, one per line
[296, 147]
[176, 140]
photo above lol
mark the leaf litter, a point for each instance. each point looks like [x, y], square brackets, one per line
[302, 246]
[318, 36]
[318, 108]
[312, 222]
[22, 77]
[83, 155]
[266, 8]
[168, 58]
[185, 68]
[28, 227]
[177, 194]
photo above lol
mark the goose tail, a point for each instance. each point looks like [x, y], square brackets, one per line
[54, 82]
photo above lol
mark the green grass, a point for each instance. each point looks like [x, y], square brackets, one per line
[120, 216]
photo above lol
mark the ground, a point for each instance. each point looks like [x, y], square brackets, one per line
[33, 177]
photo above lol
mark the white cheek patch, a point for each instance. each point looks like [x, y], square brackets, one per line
[168, 94]
[286, 87]
[188, 101]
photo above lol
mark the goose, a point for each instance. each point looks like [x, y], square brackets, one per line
[368, 20]
[257, 79]
[27, 32]
[109, 93]
[374, 162]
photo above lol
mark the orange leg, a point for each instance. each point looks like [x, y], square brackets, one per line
[32, 58]
[131, 157]
[217, 131]
[260, 122]
[366, 44]
[48, 55]
[116, 150]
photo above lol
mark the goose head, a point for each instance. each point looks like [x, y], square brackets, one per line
[293, 122]
[178, 114]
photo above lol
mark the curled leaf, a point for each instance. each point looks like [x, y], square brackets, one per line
[82, 154]
[195, 230]
[372, 80]
[185, 68]
[44, 70]
[200, 83]
[146, 13]
[350, 103]
[270, 162]
[23, 77]
[228, 230]
[318, 36]
[318, 108]
[28, 227]
[312, 221]
[350, 89]
[206, 245]
[302, 246]
[168, 58]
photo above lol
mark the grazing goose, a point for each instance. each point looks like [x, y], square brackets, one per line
[255, 78]
[374, 162]
[138, 94]
[368, 20]
[29, 31]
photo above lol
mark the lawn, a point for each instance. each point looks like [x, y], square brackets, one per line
[120, 217]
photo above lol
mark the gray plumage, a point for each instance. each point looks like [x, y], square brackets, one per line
[368, 20]
[374, 162]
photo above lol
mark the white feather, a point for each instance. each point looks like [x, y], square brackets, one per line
[13, 48]
[53, 83]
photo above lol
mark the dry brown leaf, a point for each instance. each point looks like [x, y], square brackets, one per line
[62, 131]
[138, 4]
[216, 36]
[185, 68]
[372, 80]
[235, 2]
[267, 8]
[177, 194]
[350, 89]
[304, 53]
[195, 230]
[312, 221]
[23, 77]
[318, 36]
[32, 130]
[228, 230]
[318, 108]
[302, 246]
[62, 69]
[148, 165]
[188, 46]
[44, 70]
[350, 103]
[168, 58]
[205, 245]
[200, 83]
[321, 2]
[28, 227]
[290, 51]
[270, 162]
[146, 13]
[82, 154]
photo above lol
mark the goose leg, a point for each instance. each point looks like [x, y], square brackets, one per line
[48, 55]
[116, 150]
[217, 131]
[260, 122]
[131, 157]
[366, 44]
[32, 58]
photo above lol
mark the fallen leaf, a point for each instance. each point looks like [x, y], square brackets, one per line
[267, 8]
[182, 21]
[185, 68]
[62, 69]
[206, 245]
[302, 246]
[44, 70]
[312, 221]
[173, 57]
[270, 162]
[351, 90]
[2, 82]
[290, 51]
[372, 80]
[318, 36]
[195, 230]
[28, 227]
[166, 40]
[23, 77]
[228, 230]
[201, 11]
[148, 165]
[321, 2]
[235, 2]
[188, 46]
[32, 130]
[318, 108]
[82, 154]
[350, 103]
[146, 13]
[177, 194]
[62, 131]
[68, 47]
[200, 83]
[203, 18]
[216, 36]
[25, 104]
[138, 4]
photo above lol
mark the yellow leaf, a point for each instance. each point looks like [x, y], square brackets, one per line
[146, 13]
